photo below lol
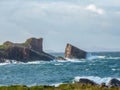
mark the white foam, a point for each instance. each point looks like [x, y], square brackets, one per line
[2, 64]
[57, 64]
[38, 62]
[75, 60]
[56, 84]
[71, 60]
[96, 79]
[34, 84]
[91, 57]
[113, 69]
[34, 62]
[113, 58]
[7, 62]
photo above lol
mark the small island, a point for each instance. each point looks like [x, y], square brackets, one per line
[30, 50]
[73, 52]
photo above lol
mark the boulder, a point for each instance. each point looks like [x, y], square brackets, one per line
[73, 52]
[31, 50]
[114, 83]
[87, 81]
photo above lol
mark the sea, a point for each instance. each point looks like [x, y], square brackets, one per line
[98, 66]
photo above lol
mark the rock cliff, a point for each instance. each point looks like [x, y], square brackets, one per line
[31, 50]
[73, 52]
[35, 44]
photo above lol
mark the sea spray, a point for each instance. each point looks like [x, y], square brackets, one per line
[96, 79]
[90, 56]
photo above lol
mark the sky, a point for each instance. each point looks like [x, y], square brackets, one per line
[92, 25]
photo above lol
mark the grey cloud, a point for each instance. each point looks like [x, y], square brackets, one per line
[59, 22]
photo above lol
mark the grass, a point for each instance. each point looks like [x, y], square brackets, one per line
[2, 46]
[76, 86]
[6, 45]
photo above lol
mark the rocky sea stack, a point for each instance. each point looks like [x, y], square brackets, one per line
[30, 50]
[73, 52]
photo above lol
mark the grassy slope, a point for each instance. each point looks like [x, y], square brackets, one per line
[75, 86]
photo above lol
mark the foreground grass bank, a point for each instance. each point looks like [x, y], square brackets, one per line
[75, 86]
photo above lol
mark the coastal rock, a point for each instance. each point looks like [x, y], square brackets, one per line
[35, 44]
[114, 83]
[74, 52]
[60, 58]
[87, 81]
[31, 50]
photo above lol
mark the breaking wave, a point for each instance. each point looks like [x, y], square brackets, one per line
[92, 57]
[96, 79]
[60, 61]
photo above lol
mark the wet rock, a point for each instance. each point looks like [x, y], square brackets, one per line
[73, 52]
[60, 58]
[114, 83]
[87, 81]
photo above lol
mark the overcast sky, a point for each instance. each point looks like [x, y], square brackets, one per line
[92, 25]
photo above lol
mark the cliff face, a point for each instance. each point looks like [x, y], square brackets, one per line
[73, 52]
[35, 44]
[31, 50]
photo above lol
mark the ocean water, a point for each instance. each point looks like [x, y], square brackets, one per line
[99, 67]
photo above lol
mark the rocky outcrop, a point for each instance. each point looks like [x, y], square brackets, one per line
[74, 52]
[60, 58]
[87, 81]
[31, 50]
[35, 44]
[114, 83]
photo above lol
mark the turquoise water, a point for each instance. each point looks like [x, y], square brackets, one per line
[99, 67]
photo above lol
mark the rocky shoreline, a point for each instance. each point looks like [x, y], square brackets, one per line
[83, 84]
[112, 83]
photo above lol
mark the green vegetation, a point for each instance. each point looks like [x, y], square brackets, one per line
[75, 86]
[27, 42]
[24, 44]
[2, 46]
[6, 45]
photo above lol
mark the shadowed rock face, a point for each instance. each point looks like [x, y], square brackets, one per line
[35, 44]
[114, 83]
[60, 58]
[74, 52]
[31, 50]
